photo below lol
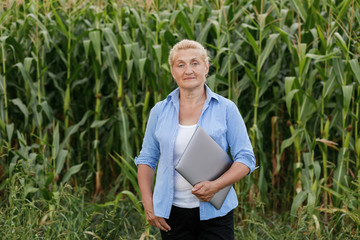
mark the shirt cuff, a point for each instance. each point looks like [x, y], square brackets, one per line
[249, 162]
[143, 161]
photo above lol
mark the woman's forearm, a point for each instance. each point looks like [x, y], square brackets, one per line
[145, 179]
[205, 190]
[236, 172]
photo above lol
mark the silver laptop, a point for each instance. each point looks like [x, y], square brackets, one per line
[203, 159]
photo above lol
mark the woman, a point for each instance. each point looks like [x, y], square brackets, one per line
[179, 210]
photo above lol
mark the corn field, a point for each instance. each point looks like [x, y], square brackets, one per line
[78, 79]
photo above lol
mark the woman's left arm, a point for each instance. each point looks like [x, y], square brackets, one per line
[205, 191]
[241, 151]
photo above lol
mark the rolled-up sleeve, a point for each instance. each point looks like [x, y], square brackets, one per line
[150, 151]
[240, 146]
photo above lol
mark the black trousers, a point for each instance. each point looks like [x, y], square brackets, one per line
[185, 224]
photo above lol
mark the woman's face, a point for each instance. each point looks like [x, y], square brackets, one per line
[189, 69]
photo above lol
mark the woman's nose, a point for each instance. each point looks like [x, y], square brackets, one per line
[188, 69]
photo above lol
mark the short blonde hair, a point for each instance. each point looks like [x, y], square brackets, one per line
[187, 44]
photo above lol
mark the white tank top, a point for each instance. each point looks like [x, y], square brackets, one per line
[182, 194]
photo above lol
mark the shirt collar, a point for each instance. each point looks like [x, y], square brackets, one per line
[174, 96]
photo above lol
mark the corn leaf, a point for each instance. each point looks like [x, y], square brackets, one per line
[129, 64]
[204, 33]
[48, 111]
[339, 70]
[354, 64]
[60, 23]
[251, 40]
[330, 85]
[99, 123]
[124, 132]
[136, 15]
[73, 170]
[273, 71]
[286, 143]
[347, 95]
[321, 58]
[111, 38]
[25, 74]
[55, 142]
[298, 201]
[288, 99]
[251, 75]
[341, 43]
[299, 8]
[60, 160]
[96, 43]
[157, 49]
[17, 102]
[142, 62]
[182, 20]
[74, 128]
[339, 174]
[344, 8]
[113, 70]
[9, 131]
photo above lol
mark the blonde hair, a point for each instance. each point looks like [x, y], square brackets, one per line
[187, 44]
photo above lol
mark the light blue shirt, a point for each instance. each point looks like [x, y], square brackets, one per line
[220, 118]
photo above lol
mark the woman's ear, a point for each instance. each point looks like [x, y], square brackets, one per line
[207, 69]
[171, 70]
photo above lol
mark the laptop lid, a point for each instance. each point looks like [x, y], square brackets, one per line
[203, 159]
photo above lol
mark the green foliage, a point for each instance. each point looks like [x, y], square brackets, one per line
[78, 79]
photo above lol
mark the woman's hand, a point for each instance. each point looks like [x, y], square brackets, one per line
[205, 191]
[155, 221]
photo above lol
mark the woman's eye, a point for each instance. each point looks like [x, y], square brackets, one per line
[181, 65]
[195, 63]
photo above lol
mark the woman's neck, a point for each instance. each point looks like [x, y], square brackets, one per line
[193, 96]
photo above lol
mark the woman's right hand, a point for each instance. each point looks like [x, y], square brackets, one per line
[145, 178]
[155, 221]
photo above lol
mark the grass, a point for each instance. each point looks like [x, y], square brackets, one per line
[70, 216]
